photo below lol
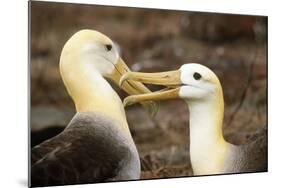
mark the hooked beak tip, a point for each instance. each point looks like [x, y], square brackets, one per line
[128, 101]
[123, 79]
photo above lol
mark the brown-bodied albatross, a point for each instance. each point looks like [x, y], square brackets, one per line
[200, 88]
[96, 145]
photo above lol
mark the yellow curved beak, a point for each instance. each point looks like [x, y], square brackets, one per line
[132, 87]
[171, 79]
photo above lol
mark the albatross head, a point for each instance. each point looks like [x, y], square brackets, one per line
[86, 58]
[198, 83]
[194, 83]
[202, 91]
[89, 50]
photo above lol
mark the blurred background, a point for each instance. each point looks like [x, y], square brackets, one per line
[233, 46]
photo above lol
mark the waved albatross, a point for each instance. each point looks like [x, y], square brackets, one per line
[96, 145]
[200, 88]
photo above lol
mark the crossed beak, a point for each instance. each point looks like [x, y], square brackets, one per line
[132, 87]
[171, 79]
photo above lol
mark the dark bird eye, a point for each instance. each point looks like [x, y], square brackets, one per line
[197, 76]
[108, 47]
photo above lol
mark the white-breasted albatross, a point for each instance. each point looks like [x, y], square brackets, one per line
[97, 145]
[200, 88]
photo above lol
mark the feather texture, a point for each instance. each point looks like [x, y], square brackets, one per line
[90, 149]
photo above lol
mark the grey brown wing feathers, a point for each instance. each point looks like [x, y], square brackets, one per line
[82, 153]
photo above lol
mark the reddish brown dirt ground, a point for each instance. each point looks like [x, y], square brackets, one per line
[155, 40]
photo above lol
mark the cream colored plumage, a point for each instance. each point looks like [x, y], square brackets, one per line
[97, 145]
[200, 88]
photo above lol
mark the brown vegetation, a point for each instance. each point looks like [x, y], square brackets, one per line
[157, 40]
